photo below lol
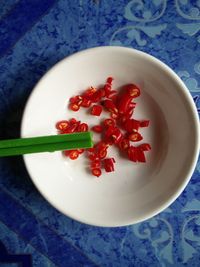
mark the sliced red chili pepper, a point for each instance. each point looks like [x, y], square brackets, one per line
[74, 107]
[72, 127]
[111, 94]
[89, 92]
[96, 97]
[80, 150]
[109, 164]
[91, 150]
[96, 172]
[101, 145]
[102, 153]
[113, 135]
[122, 120]
[62, 125]
[130, 91]
[103, 93]
[114, 115]
[133, 90]
[129, 113]
[130, 110]
[110, 130]
[72, 121]
[96, 110]
[135, 137]
[124, 144]
[97, 128]
[145, 147]
[95, 164]
[124, 103]
[107, 88]
[109, 80]
[140, 155]
[73, 154]
[86, 103]
[144, 123]
[73, 100]
[66, 153]
[132, 105]
[132, 153]
[108, 122]
[131, 125]
[136, 154]
[93, 157]
[117, 136]
[83, 127]
[110, 106]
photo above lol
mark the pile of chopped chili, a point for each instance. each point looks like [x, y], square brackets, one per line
[119, 129]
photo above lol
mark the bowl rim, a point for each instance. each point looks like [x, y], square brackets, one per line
[194, 116]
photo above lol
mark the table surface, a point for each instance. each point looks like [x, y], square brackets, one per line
[36, 34]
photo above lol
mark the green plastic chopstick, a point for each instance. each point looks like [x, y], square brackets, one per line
[51, 143]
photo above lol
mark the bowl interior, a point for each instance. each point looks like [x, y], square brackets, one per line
[133, 192]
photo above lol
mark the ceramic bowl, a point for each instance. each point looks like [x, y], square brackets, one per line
[134, 192]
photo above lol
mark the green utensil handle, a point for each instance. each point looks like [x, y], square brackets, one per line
[22, 146]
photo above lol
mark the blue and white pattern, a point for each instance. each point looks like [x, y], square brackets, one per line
[35, 35]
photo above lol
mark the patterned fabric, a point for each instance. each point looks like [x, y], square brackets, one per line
[34, 36]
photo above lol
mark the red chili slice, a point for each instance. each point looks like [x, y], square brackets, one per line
[97, 128]
[91, 150]
[96, 172]
[111, 94]
[124, 103]
[72, 121]
[89, 92]
[110, 106]
[80, 150]
[132, 154]
[124, 144]
[101, 145]
[73, 100]
[66, 153]
[145, 147]
[113, 135]
[131, 125]
[74, 107]
[103, 93]
[96, 97]
[113, 115]
[95, 164]
[144, 123]
[73, 154]
[136, 154]
[109, 80]
[109, 164]
[107, 88]
[135, 137]
[62, 125]
[132, 90]
[96, 110]
[72, 127]
[108, 122]
[102, 153]
[83, 127]
[93, 157]
[86, 103]
[140, 155]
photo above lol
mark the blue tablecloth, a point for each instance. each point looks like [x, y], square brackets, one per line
[34, 35]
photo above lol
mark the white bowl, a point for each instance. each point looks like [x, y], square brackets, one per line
[134, 192]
